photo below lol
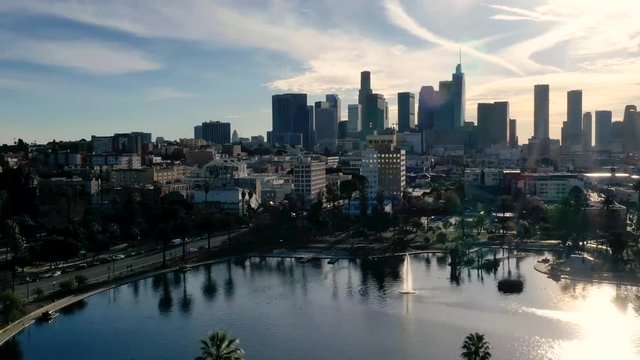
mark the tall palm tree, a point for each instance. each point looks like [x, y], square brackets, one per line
[218, 346]
[475, 347]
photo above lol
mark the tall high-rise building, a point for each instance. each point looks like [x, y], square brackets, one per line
[216, 132]
[235, 137]
[406, 111]
[603, 129]
[541, 112]
[290, 116]
[459, 97]
[374, 114]
[343, 129]
[513, 134]
[197, 132]
[326, 126]
[354, 118]
[492, 123]
[334, 102]
[572, 128]
[427, 105]
[587, 131]
[631, 129]
[364, 92]
[444, 115]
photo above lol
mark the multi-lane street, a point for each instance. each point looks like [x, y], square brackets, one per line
[119, 267]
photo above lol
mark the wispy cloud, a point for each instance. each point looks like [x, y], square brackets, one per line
[514, 13]
[86, 56]
[569, 44]
[167, 93]
[399, 17]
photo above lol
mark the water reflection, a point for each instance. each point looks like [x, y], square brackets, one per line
[73, 308]
[606, 329]
[165, 303]
[228, 283]
[279, 297]
[209, 287]
[185, 301]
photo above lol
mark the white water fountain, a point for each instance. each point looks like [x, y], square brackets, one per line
[407, 277]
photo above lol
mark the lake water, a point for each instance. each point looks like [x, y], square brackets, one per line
[281, 309]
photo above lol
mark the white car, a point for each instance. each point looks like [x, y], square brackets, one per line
[117, 257]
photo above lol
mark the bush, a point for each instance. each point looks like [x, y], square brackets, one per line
[81, 280]
[69, 285]
[38, 293]
[441, 238]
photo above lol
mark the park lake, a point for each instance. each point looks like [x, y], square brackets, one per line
[282, 309]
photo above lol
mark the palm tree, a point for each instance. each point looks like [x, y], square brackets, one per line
[243, 195]
[636, 188]
[218, 346]
[475, 347]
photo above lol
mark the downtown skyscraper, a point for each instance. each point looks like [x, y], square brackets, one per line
[572, 128]
[541, 112]
[406, 111]
[375, 116]
[443, 110]
[292, 121]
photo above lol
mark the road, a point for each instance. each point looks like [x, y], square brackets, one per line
[129, 264]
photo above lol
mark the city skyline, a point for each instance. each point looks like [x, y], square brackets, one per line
[74, 69]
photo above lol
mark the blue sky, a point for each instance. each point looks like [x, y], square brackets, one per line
[73, 68]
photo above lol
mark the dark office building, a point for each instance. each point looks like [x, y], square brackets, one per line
[216, 132]
[587, 131]
[406, 111]
[541, 112]
[513, 134]
[603, 129]
[492, 123]
[290, 115]
[572, 128]
[631, 129]
[374, 114]
[128, 143]
[343, 129]
[427, 105]
[326, 126]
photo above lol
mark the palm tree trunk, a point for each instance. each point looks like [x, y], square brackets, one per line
[184, 248]
[164, 253]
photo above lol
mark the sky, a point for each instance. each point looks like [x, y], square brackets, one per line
[70, 69]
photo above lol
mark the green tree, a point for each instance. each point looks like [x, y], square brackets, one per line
[475, 347]
[12, 235]
[218, 346]
[451, 202]
[11, 307]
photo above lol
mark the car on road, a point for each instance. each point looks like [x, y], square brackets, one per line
[27, 280]
[117, 257]
[81, 266]
[56, 273]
